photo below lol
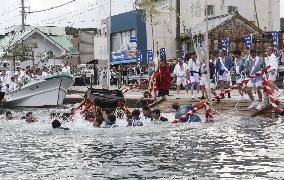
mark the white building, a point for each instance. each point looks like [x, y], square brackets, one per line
[40, 45]
[192, 12]
[267, 11]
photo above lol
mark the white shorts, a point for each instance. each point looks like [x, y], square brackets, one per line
[224, 77]
[203, 82]
[271, 77]
[254, 84]
[195, 78]
[181, 80]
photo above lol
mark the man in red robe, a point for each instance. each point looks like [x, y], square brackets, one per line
[164, 80]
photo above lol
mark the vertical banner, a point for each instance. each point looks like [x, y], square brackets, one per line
[247, 40]
[225, 45]
[275, 41]
[150, 56]
[133, 39]
[139, 57]
[181, 52]
[199, 46]
[163, 54]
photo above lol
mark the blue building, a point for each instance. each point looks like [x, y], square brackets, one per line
[128, 35]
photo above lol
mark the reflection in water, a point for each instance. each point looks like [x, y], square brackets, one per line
[244, 149]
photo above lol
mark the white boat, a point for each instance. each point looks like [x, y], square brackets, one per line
[49, 91]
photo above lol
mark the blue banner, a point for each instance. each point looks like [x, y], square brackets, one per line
[150, 56]
[133, 39]
[139, 57]
[163, 54]
[275, 41]
[225, 45]
[247, 40]
[121, 56]
[181, 52]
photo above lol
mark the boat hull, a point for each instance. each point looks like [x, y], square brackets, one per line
[40, 94]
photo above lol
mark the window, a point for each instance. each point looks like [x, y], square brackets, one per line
[210, 10]
[232, 9]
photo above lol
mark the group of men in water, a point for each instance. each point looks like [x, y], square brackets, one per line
[246, 63]
[108, 119]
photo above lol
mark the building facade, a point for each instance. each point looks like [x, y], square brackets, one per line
[265, 14]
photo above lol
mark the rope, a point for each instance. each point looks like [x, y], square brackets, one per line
[204, 103]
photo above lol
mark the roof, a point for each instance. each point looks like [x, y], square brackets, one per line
[9, 41]
[61, 42]
[66, 43]
[216, 21]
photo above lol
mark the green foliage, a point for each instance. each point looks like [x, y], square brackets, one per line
[75, 31]
[21, 51]
[149, 6]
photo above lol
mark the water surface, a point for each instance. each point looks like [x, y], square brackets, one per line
[229, 148]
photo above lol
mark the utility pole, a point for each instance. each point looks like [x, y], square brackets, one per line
[207, 56]
[270, 21]
[109, 47]
[23, 13]
[178, 44]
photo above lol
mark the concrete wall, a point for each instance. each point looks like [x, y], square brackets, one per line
[164, 26]
[86, 48]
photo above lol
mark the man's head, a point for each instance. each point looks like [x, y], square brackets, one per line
[146, 111]
[156, 113]
[269, 51]
[9, 115]
[253, 53]
[129, 115]
[52, 116]
[136, 113]
[56, 124]
[29, 117]
[221, 53]
[112, 118]
[180, 61]
[193, 55]
[237, 54]
[98, 122]
[175, 106]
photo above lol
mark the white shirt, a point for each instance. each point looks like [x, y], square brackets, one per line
[6, 79]
[180, 71]
[44, 74]
[12, 86]
[193, 65]
[272, 61]
[21, 74]
[66, 69]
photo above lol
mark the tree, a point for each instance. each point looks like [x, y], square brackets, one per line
[151, 10]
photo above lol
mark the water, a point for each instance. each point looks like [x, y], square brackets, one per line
[229, 148]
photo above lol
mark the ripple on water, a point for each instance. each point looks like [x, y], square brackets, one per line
[238, 148]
